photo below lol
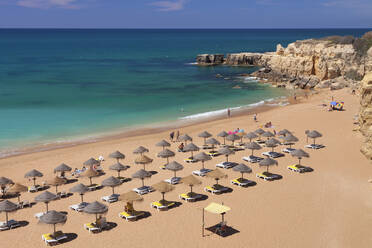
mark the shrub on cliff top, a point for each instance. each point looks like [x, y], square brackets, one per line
[361, 45]
[336, 39]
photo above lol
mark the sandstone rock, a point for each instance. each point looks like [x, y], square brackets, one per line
[365, 114]
[210, 59]
[337, 86]
[279, 49]
[324, 84]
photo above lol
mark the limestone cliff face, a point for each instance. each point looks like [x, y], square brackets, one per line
[302, 64]
[365, 115]
[320, 58]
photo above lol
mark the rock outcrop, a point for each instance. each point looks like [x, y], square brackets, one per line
[365, 115]
[303, 64]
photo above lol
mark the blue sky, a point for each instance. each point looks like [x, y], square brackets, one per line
[186, 13]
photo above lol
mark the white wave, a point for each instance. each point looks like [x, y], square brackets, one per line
[192, 63]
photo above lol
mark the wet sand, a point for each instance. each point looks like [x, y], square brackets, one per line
[329, 207]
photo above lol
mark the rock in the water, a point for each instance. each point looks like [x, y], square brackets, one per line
[210, 59]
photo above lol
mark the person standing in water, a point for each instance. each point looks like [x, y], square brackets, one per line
[228, 112]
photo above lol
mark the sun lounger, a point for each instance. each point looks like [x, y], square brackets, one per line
[206, 147]
[93, 187]
[49, 239]
[215, 189]
[314, 146]
[213, 153]
[33, 189]
[110, 198]
[241, 182]
[92, 227]
[252, 159]
[190, 160]
[38, 215]
[273, 154]
[59, 235]
[190, 197]
[288, 150]
[10, 225]
[79, 207]
[226, 165]
[162, 205]
[143, 190]
[131, 216]
[173, 180]
[299, 168]
[266, 176]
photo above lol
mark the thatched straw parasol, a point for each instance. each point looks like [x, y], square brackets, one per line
[191, 147]
[268, 162]
[163, 188]
[204, 135]
[62, 168]
[4, 182]
[268, 134]
[241, 135]
[130, 196]
[272, 143]
[223, 134]
[202, 157]
[213, 142]
[91, 162]
[111, 182]
[142, 174]
[95, 208]
[117, 155]
[251, 136]
[56, 181]
[46, 197]
[118, 167]
[185, 138]
[242, 168]
[191, 181]
[8, 206]
[259, 131]
[53, 218]
[314, 135]
[252, 146]
[18, 189]
[174, 166]
[81, 189]
[166, 153]
[226, 151]
[90, 173]
[163, 144]
[299, 153]
[290, 139]
[144, 160]
[232, 137]
[216, 174]
[140, 150]
[284, 132]
[33, 174]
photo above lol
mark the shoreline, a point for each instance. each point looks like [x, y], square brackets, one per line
[145, 130]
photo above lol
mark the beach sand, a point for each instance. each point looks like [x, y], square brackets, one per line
[329, 207]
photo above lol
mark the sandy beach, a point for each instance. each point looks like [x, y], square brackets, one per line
[329, 207]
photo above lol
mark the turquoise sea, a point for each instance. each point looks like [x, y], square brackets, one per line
[59, 85]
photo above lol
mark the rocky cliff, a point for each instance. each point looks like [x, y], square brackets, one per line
[306, 63]
[365, 115]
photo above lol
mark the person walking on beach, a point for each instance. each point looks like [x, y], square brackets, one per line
[228, 112]
[171, 135]
[177, 135]
[255, 117]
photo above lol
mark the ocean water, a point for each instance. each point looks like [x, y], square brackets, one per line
[56, 85]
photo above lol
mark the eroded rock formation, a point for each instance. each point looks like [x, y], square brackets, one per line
[365, 115]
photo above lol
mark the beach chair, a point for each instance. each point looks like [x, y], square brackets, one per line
[38, 215]
[213, 153]
[314, 146]
[190, 197]
[110, 198]
[32, 189]
[252, 159]
[92, 227]
[78, 207]
[299, 168]
[288, 150]
[266, 176]
[242, 182]
[93, 187]
[59, 235]
[49, 239]
[206, 147]
[215, 189]
[162, 205]
[190, 160]
[173, 180]
[10, 225]
[226, 165]
[131, 216]
[143, 190]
